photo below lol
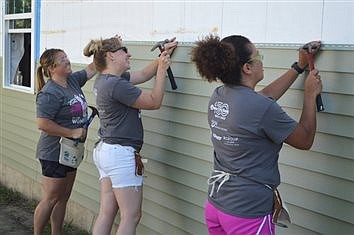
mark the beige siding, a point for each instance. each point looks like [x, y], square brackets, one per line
[318, 185]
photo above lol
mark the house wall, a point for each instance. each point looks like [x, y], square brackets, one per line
[318, 185]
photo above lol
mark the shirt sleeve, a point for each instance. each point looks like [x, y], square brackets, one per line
[126, 75]
[80, 77]
[277, 124]
[48, 105]
[125, 92]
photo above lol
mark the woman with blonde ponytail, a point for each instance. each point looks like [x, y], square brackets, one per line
[116, 155]
[61, 112]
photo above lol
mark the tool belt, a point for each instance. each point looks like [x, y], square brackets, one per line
[139, 166]
[281, 212]
[71, 152]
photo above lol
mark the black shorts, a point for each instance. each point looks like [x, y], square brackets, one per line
[55, 169]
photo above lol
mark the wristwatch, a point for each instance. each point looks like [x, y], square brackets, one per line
[297, 68]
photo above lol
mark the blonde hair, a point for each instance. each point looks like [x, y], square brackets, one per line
[99, 49]
[46, 61]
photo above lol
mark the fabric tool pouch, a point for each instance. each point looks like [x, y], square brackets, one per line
[71, 152]
[139, 166]
[281, 212]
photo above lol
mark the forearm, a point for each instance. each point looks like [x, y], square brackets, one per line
[52, 128]
[159, 87]
[279, 86]
[90, 70]
[145, 74]
[308, 115]
[303, 135]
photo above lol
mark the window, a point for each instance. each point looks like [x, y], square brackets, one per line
[18, 45]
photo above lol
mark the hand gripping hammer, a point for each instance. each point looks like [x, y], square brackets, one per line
[161, 46]
[310, 48]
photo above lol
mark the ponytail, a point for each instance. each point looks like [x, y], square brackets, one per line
[46, 61]
[40, 79]
[217, 59]
[99, 48]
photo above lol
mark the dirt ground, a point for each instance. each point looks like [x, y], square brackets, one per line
[16, 215]
[15, 221]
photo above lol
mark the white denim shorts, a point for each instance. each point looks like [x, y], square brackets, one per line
[118, 163]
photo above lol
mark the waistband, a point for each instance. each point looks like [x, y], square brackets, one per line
[223, 177]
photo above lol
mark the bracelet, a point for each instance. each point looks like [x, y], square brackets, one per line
[297, 68]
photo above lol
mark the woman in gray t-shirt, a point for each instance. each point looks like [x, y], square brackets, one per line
[248, 129]
[61, 112]
[119, 102]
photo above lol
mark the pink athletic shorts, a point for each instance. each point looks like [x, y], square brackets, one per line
[220, 223]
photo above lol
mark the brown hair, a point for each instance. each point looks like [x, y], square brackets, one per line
[221, 59]
[99, 48]
[46, 60]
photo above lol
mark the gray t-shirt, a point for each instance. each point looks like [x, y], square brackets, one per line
[65, 106]
[119, 122]
[248, 130]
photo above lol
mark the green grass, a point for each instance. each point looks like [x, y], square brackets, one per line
[16, 199]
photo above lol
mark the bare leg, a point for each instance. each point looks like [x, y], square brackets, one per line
[108, 209]
[129, 201]
[53, 188]
[58, 213]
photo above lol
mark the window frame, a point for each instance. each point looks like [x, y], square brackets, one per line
[6, 40]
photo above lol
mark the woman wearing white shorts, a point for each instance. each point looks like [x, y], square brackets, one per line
[119, 103]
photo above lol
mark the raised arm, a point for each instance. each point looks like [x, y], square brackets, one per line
[141, 76]
[303, 135]
[153, 99]
[90, 70]
[279, 86]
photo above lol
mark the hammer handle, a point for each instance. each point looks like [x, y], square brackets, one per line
[172, 79]
[89, 120]
[319, 102]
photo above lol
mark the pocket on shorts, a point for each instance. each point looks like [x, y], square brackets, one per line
[115, 156]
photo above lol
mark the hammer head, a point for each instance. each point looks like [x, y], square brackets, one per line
[94, 111]
[312, 47]
[160, 45]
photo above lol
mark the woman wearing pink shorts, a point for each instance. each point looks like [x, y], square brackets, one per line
[248, 129]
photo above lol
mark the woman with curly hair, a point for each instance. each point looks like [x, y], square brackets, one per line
[248, 129]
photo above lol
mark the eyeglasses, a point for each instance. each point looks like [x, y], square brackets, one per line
[258, 57]
[121, 48]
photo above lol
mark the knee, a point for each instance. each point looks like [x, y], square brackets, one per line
[55, 199]
[108, 211]
[133, 216]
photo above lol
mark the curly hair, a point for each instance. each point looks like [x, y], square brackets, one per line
[221, 59]
[99, 49]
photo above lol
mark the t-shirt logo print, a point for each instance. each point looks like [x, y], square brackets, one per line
[221, 110]
[77, 109]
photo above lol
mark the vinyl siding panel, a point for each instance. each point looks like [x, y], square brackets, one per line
[316, 184]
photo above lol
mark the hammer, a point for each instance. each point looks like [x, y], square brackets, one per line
[310, 48]
[161, 46]
[88, 122]
[93, 114]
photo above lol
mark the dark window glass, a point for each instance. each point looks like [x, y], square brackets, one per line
[18, 6]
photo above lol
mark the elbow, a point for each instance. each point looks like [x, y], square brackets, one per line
[156, 105]
[42, 128]
[306, 144]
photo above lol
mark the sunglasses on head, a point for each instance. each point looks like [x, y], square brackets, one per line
[121, 48]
